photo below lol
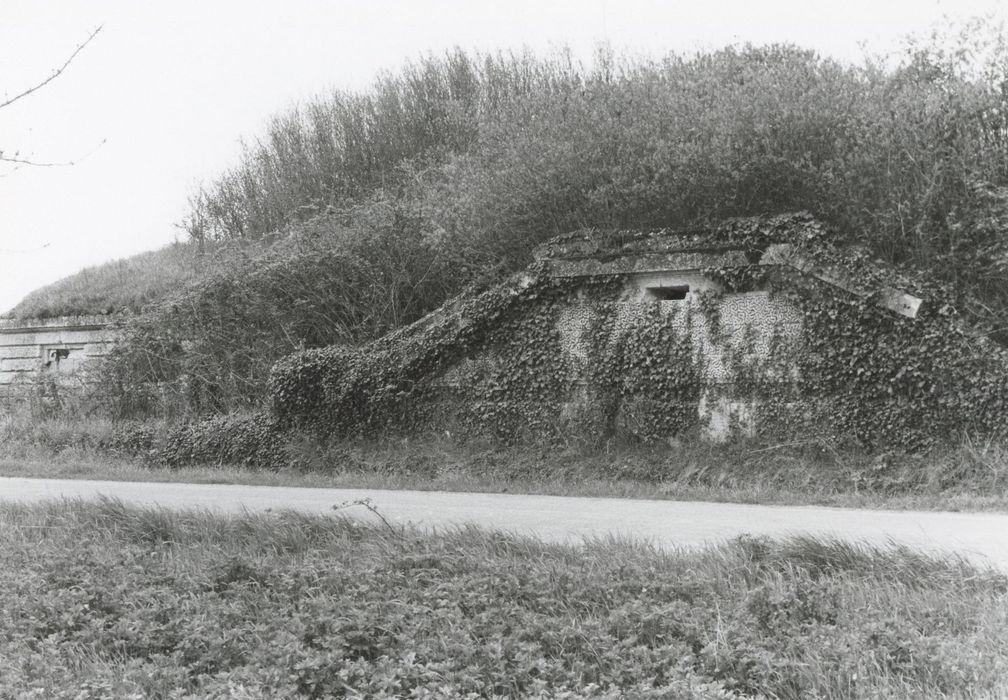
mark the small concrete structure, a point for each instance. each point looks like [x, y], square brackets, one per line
[63, 348]
[667, 272]
[724, 357]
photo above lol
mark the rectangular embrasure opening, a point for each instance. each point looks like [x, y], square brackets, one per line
[675, 292]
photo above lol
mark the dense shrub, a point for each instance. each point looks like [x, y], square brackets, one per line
[132, 439]
[237, 440]
[491, 154]
[345, 147]
[208, 347]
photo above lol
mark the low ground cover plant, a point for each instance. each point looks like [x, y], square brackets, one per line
[105, 600]
[971, 475]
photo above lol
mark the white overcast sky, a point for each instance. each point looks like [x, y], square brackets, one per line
[160, 98]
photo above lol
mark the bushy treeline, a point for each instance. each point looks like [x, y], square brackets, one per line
[344, 147]
[395, 199]
[493, 153]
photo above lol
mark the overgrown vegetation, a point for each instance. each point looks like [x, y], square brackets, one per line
[454, 168]
[519, 148]
[640, 369]
[101, 599]
[355, 215]
[208, 347]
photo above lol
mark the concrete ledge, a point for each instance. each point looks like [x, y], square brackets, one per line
[92, 322]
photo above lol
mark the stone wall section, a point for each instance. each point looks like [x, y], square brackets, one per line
[63, 349]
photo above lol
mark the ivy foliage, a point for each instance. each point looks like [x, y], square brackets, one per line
[553, 358]
[351, 389]
[252, 440]
[899, 381]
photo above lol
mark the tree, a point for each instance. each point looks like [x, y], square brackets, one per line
[16, 158]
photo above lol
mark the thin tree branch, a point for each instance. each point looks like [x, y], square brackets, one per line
[55, 73]
[42, 164]
[23, 161]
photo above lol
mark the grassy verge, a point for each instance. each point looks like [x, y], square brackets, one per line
[77, 465]
[972, 476]
[105, 600]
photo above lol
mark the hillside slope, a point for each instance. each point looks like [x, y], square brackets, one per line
[118, 286]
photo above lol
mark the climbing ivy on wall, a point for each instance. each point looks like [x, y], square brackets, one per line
[655, 375]
[898, 381]
[378, 386]
[496, 362]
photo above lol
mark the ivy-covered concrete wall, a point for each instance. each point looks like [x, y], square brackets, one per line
[758, 327]
[611, 359]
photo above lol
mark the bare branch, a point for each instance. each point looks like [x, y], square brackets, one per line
[16, 159]
[55, 73]
[40, 164]
[366, 502]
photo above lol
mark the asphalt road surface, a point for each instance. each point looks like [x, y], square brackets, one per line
[980, 537]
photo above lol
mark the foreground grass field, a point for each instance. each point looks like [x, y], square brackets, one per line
[101, 600]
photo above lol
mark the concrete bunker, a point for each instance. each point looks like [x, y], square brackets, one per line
[726, 331]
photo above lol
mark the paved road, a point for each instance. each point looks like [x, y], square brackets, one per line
[982, 537]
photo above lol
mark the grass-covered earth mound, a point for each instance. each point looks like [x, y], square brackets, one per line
[388, 202]
[105, 600]
[118, 287]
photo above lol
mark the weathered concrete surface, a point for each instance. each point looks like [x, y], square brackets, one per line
[60, 348]
[980, 537]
